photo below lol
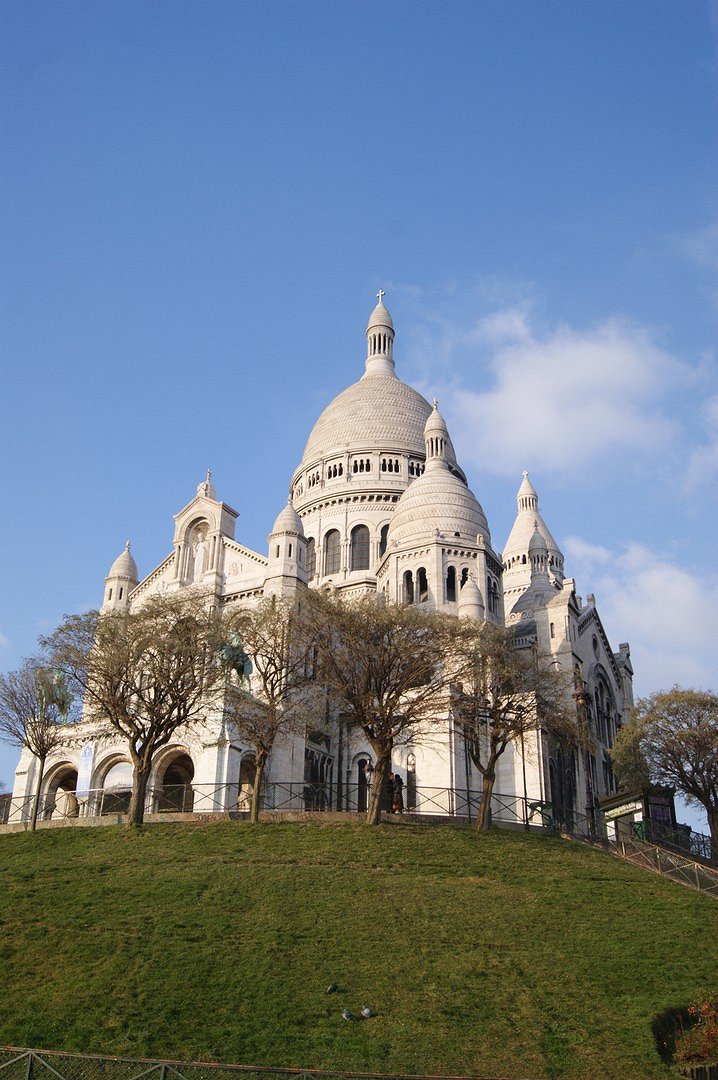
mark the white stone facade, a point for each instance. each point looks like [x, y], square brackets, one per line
[378, 503]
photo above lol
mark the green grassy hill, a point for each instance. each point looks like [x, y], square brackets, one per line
[499, 955]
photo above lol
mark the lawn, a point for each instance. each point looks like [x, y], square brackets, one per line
[496, 955]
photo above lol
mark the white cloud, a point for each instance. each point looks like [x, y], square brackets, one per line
[560, 398]
[668, 613]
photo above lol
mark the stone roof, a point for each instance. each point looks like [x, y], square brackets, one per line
[124, 565]
[288, 521]
[380, 317]
[379, 412]
[438, 500]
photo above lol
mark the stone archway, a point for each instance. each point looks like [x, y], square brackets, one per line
[116, 785]
[174, 792]
[247, 772]
[60, 800]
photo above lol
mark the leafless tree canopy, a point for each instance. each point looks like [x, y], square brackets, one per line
[35, 711]
[143, 674]
[283, 695]
[501, 694]
[672, 738]
[382, 667]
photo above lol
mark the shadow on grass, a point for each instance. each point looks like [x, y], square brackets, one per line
[666, 1027]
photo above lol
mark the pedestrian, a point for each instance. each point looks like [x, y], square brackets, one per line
[398, 804]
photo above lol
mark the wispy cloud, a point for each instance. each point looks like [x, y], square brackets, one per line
[557, 398]
[4, 641]
[667, 612]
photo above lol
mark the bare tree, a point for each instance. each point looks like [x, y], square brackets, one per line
[672, 738]
[144, 674]
[502, 694]
[382, 666]
[34, 713]
[281, 694]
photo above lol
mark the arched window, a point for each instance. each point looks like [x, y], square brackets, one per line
[311, 558]
[451, 584]
[383, 540]
[422, 585]
[464, 576]
[360, 548]
[408, 587]
[332, 552]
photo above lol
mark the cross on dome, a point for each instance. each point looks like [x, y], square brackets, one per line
[380, 295]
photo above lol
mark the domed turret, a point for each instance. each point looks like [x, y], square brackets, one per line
[120, 581]
[380, 340]
[287, 554]
[288, 521]
[471, 604]
[540, 587]
[516, 555]
[438, 502]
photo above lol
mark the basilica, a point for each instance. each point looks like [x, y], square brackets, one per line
[378, 504]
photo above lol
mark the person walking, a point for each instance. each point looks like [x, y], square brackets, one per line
[398, 803]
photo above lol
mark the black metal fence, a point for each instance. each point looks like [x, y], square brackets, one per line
[279, 797]
[461, 803]
[23, 1064]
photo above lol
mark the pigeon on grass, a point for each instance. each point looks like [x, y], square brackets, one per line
[347, 1014]
[331, 988]
[367, 1012]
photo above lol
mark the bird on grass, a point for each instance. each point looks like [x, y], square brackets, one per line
[331, 988]
[347, 1014]
[367, 1012]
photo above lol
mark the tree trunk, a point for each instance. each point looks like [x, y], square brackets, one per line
[260, 763]
[712, 815]
[483, 821]
[378, 782]
[36, 800]
[140, 780]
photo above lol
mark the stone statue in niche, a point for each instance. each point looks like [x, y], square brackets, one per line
[199, 551]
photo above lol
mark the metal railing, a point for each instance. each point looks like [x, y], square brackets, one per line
[277, 797]
[671, 864]
[681, 840]
[22, 1064]
[314, 797]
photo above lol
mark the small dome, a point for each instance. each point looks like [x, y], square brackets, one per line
[124, 565]
[438, 502]
[379, 317]
[537, 543]
[436, 425]
[527, 487]
[470, 600]
[288, 521]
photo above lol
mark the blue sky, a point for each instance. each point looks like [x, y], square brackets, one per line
[200, 200]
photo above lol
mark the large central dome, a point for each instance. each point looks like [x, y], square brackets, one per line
[377, 412]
